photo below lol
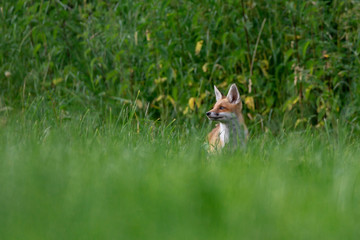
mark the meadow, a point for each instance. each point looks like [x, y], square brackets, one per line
[103, 126]
[87, 179]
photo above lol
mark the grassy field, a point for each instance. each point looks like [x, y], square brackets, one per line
[102, 119]
[87, 179]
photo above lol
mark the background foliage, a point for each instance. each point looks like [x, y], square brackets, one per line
[296, 62]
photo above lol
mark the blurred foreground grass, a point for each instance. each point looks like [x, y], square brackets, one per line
[84, 180]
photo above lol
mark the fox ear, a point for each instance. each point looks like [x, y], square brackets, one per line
[233, 95]
[218, 94]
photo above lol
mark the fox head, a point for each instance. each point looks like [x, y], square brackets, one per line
[226, 108]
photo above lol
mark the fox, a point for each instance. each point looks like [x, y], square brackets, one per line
[231, 128]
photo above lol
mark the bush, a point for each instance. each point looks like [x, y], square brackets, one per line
[296, 62]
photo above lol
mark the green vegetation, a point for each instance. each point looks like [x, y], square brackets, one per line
[86, 180]
[102, 122]
[302, 67]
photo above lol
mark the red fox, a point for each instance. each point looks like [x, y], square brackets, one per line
[231, 128]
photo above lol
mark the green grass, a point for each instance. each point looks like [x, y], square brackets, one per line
[86, 179]
[102, 122]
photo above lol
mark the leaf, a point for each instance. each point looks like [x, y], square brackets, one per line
[249, 101]
[306, 45]
[36, 49]
[112, 74]
[223, 84]
[147, 33]
[301, 120]
[192, 103]
[264, 65]
[205, 67]
[198, 47]
[241, 79]
[175, 93]
[173, 73]
[160, 80]
[159, 98]
[198, 102]
[308, 91]
[270, 101]
[168, 97]
[290, 103]
[203, 95]
[288, 55]
[56, 81]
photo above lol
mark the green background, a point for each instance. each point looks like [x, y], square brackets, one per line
[80, 55]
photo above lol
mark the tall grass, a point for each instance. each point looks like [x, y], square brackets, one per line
[83, 179]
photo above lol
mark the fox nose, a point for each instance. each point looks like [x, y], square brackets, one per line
[208, 113]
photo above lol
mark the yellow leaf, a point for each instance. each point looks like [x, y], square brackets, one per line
[223, 84]
[154, 106]
[288, 105]
[301, 120]
[159, 98]
[186, 110]
[320, 124]
[265, 64]
[198, 46]
[205, 67]
[241, 79]
[295, 100]
[203, 95]
[168, 97]
[147, 33]
[139, 104]
[192, 103]
[173, 73]
[249, 101]
[56, 81]
[198, 102]
[160, 80]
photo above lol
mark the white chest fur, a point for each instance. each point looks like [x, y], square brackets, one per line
[224, 134]
[232, 131]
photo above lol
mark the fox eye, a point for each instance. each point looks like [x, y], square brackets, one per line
[221, 108]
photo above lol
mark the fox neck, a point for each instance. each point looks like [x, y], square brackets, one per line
[233, 132]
